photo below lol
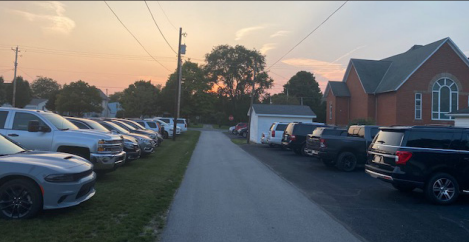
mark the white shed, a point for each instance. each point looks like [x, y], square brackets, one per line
[263, 115]
[461, 117]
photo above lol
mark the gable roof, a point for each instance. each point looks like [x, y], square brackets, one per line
[339, 89]
[294, 110]
[388, 74]
[102, 95]
[37, 101]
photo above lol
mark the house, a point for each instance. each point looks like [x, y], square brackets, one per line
[37, 104]
[263, 115]
[114, 107]
[461, 117]
[419, 86]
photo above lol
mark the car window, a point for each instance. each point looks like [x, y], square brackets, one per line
[181, 121]
[304, 129]
[389, 137]
[166, 120]
[3, 118]
[7, 147]
[289, 129]
[281, 127]
[80, 125]
[141, 123]
[59, 122]
[22, 119]
[426, 139]
[152, 125]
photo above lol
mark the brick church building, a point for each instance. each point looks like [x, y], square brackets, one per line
[419, 86]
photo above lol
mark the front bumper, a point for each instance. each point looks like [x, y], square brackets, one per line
[107, 162]
[62, 195]
[147, 148]
[133, 154]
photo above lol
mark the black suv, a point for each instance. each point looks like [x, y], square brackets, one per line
[295, 134]
[435, 159]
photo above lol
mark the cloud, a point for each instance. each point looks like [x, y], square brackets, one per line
[242, 32]
[328, 70]
[267, 47]
[348, 53]
[56, 22]
[280, 33]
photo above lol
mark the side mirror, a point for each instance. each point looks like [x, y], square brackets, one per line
[33, 126]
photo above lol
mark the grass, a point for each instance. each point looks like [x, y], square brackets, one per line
[130, 203]
[199, 126]
[239, 141]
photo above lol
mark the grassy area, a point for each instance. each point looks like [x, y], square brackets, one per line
[199, 126]
[239, 141]
[130, 203]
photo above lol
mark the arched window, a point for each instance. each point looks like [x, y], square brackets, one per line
[445, 99]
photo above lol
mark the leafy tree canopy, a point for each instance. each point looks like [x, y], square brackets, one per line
[43, 87]
[140, 99]
[23, 93]
[78, 98]
[116, 97]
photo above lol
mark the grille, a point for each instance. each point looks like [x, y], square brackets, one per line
[85, 189]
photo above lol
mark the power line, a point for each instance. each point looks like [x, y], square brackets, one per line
[166, 15]
[159, 28]
[26, 74]
[309, 34]
[135, 37]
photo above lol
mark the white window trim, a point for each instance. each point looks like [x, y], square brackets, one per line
[450, 99]
[330, 110]
[420, 108]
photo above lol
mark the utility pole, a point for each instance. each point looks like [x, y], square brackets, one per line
[287, 96]
[13, 102]
[252, 99]
[178, 86]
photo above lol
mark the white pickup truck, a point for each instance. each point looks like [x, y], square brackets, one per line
[47, 131]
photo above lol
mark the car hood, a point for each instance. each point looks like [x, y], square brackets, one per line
[135, 135]
[96, 134]
[54, 160]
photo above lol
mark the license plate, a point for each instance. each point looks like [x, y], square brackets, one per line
[315, 152]
[378, 159]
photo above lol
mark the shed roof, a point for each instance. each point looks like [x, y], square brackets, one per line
[294, 110]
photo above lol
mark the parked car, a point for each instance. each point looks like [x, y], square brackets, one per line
[231, 128]
[434, 159]
[34, 180]
[316, 143]
[238, 127]
[275, 134]
[131, 147]
[133, 130]
[350, 151]
[167, 128]
[47, 131]
[181, 122]
[137, 126]
[243, 132]
[294, 136]
[146, 144]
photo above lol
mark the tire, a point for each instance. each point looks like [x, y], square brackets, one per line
[19, 199]
[303, 150]
[245, 135]
[404, 188]
[166, 135]
[442, 188]
[329, 163]
[233, 131]
[347, 161]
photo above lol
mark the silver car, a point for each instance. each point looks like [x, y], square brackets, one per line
[35, 180]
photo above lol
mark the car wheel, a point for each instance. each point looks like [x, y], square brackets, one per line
[442, 188]
[19, 199]
[403, 188]
[329, 163]
[166, 135]
[304, 150]
[245, 135]
[347, 161]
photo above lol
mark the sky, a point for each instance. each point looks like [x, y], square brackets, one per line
[70, 41]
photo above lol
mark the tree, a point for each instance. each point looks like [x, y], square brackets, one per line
[304, 85]
[2, 92]
[78, 98]
[23, 93]
[50, 105]
[140, 99]
[281, 99]
[42, 87]
[116, 97]
[234, 68]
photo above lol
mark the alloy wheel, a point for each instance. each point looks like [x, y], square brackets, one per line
[443, 189]
[16, 201]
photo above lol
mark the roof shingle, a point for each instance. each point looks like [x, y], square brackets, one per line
[295, 110]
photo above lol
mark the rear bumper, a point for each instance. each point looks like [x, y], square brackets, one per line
[107, 162]
[394, 177]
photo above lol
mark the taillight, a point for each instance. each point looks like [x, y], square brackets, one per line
[273, 133]
[292, 138]
[322, 143]
[402, 157]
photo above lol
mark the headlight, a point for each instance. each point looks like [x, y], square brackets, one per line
[109, 146]
[129, 145]
[60, 178]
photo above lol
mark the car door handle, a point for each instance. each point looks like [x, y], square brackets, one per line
[13, 135]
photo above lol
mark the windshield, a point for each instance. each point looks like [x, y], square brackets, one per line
[59, 122]
[116, 127]
[389, 137]
[7, 147]
[181, 121]
[134, 124]
[96, 126]
[124, 125]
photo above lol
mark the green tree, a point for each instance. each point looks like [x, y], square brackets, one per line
[140, 99]
[23, 93]
[78, 98]
[42, 87]
[2, 92]
[281, 99]
[233, 67]
[116, 97]
[50, 105]
[303, 85]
